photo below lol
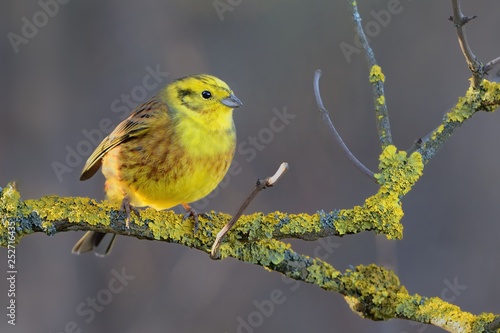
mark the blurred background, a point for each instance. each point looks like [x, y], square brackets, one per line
[67, 67]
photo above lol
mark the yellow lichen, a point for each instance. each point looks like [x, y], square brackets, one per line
[376, 74]
[399, 172]
[73, 209]
[491, 95]
[161, 228]
[465, 108]
[486, 98]
[381, 100]
[267, 252]
[382, 212]
[440, 313]
[9, 199]
[437, 131]
[373, 285]
[297, 223]
[323, 275]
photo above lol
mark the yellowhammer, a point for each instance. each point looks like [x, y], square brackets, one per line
[171, 150]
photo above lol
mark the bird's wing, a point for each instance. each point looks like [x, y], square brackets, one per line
[137, 124]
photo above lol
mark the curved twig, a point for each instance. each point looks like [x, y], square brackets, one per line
[326, 117]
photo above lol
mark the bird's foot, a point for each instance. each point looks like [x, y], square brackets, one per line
[190, 212]
[128, 209]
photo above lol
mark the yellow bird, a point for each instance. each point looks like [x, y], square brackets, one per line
[174, 149]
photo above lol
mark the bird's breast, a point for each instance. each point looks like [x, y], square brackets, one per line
[162, 172]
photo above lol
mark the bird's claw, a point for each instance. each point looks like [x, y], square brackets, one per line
[192, 213]
[128, 209]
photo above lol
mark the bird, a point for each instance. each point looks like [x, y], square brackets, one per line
[172, 150]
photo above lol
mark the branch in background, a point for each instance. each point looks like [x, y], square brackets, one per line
[261, 185]
[491, 64]
[482, 96]
[478, 70]
[485, 98]
[377, 81]
[459, 21]
[326, 117]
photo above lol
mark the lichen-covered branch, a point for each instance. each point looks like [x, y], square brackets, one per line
[377, 79]
[484, 98]
[371, 291]
[381, 213]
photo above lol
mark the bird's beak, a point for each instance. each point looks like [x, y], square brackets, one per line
[232, 101]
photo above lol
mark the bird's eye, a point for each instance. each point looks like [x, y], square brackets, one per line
[206, 94]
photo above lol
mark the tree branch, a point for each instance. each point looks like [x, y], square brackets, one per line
[483, 95]
[459, 21]
[372, 291]
[485, 98]
[381, 213]
[491, 64]
[377, 79]
[326, 117]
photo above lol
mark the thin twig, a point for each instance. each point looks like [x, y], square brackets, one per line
[491, 64]
[259, 186]
[381, 111]
[333, 130]
[361, 33]
[459, 20]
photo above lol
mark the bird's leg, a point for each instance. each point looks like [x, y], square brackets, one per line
[128, 209]
[191, 212]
